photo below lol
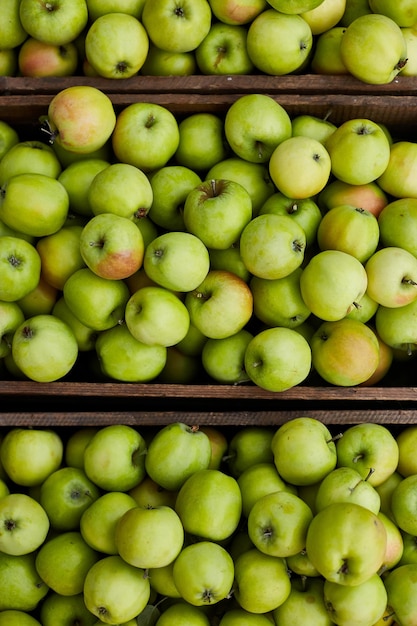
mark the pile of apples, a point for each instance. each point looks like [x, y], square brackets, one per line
[244, 248]
[372, 40]
[289, 524]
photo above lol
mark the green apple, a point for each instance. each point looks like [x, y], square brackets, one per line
[183, 613]
[395, 327]
[247, 447]
[401, 589]
[35, 204]
[385, 490]
[255, 124]
[353, 9]
[361, 604]
[146, 135]
[40, 300]
[369, 448]
[170, 186]
[44, 348]
[223, 51]
[85, 336]
[20, 269]
[40, 59]
[202, 142]
[304, 451]
[327, 58]
[301, 565]
[349, 229]
[277, 359]
[116, 45]
[115, 591]
[175, 452]
[406, 440]
[29, 157]
[259, 480]
[397, 222]
[56, 610]
[160, 62]
[98, 522]
[101, 7]
[75, 445]
[324, 16]
[402, 158]
[97, 302]
[22, 587]
[332, 283]
[65, 495]
[203, 573]
[404, 13]
[395, 543]
[312, 126]
[359, 151]
[177, 260]
[113, 472]
[63, 562]
[11, 316]
[219, 509]
[409, 549]
[8, 62]
[223, 359]
[241, 12]
[304, 211]
[58, 23]
[24, 524]
[278, 302]
[369, 196]
[252, 569]
[306, 153]
[279, 43]
[365, 51]
[215, 202]
[402, 504]
[219, 444]
[149, 493]
[9, 136]
[335, 548]
[162, 583]
[392, 276]
[410, 36]
[305, 604]
[77, 178]
[345, 484]
[12, 31]
[179, 28]
[12, 617]
[292, 7]
[278, 524]
[180, 368]
[134, 529]
[193, 342]
[29, 455]
[60, 255]
[229, 260]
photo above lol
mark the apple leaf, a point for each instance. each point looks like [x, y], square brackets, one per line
[149, 615]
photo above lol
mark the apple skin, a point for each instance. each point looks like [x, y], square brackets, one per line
[400, 584]
[149, 493]
[202, 142]
[248, 447]
[8, 138]
[327, 58]
[165, 63]
[403, 159]
[38, 59]
[395, 543]
[361, 604]
[237, 12]
[291, 7]
[85, 336]
[365, 52]
[396, 327]
[116, 45]
[279, 43]
[29, 157]
[11, 316]
[56, 608]
[40, 300]
[12, 32]
[182, 612]
[24, 522]
[369, 196]
[223, 51]
[312, 126]
[22, 587]
[75, 445]
[402, 503]
[60, 255]
[101, 7]
[392, 276]
[397, 223]
[17, 618]
[223, 359]
[406, 440]
[305, 603]
[324, 16]
[403, 14]
[353, 9]
[410, 36]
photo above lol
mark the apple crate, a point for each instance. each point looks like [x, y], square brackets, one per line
[81, 400]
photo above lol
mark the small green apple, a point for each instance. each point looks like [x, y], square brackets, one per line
[202, 141]
[392, 276]
[305, 603]
[22, 587]
[56, 609]
[360, 604]
[345, 484]
[401, 584]
[258, 480]
[223, 359]
[24, 524]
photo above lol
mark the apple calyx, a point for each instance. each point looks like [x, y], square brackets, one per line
[9, 525]
[408, 281]
[50, 6]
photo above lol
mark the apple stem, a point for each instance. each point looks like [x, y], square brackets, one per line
[47, 129]
[335, 438]
[369, 474]
[357, 305]
[328, 114]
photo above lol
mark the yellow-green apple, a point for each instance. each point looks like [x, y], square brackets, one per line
[134, 528]
[11, 316]
[116, 45]
[359, 151]
[349, 229]
[67, 156]
[39, 59]
[386, 358]
[40, 300]
[8, 62]
[221, 305]
[258, 480]
[20, 268]
[403, 159]
[113, 472]
[85, 336]
[409, 549]
[278, 302]
[338, 552]
[410, 36]
[237, 615]
[353, 9]
[396, 327]
[402, 504]
[149, 493]
[252, 568]
[11, 617]
[312, 126]
[365, 52]
[392, 276]
[22, 587]
[324, 16]
[54, 22]
[75, 445]
[220, 505]
[65, 495]
[223, 359]
[294, 6]
[397, 224]
[80, 118]
[278, 358]
[160, 62]
[223, 51]
[63, 562]
[202, 142]
[29, 157]
[182, 612]
[101, 7]
[115, 591]
[97, 302]
[170, 186]
[12, 32]
[366, 309]
[345, 484]
[305, 603]
[60, 255]
[203, 573]
[359, 604]
[56, 608]
[254, 125]
[406, 440]
[332, 283]
[304, 211]
[304, 451]
[369, 448]
[177, 260]
[404, 13]
[77, 178]
[263, 236]
[247, 447]
[306, 153]
[24, 524]
[193, 342]
[401, 584]
[219, 444]
[395, 543]
[178, 28]
[9, 137]
[175, 452]
[229, 260]
[146, 135]
[385, 490]
[180, 368]
[44, 348]
[156, 316]
[241, 12]
[279, 43]
[327, 58]
[369, 196]
[278, 524]
[300, 564]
